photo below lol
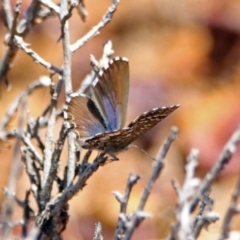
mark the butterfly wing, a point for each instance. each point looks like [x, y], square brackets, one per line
[85, 118]
[118, 140]
[110, 91]
[149, 119]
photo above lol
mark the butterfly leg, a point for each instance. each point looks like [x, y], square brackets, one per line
[114, 157]
[107, 159]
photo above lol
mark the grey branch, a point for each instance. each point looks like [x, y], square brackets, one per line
[7, 13]
[15, 168]
[123, 200]
[156, 170]
[48, 151]
[95, 30]
[68, 86]
[44, 81]
[107, 53]
[19, 42]
[98, 232]
[224, 158]
[183, 227]
[23, 27]
[233, 209]
[51, 5]
[55, 210]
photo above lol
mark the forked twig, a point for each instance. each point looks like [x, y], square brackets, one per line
[224, 158]
[95, 30]
[139, 216]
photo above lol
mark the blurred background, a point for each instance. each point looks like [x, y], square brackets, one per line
[180, 52]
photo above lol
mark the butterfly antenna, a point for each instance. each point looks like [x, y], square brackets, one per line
[146, 153]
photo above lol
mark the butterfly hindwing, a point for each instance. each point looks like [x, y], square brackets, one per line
[84, 116]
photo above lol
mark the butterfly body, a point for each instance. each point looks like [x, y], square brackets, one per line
[98, 121]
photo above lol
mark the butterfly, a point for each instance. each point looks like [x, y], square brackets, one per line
[98, 121]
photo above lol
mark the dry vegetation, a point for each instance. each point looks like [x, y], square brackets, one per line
[54, 177]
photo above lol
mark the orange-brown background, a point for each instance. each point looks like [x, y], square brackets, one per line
[185, 52]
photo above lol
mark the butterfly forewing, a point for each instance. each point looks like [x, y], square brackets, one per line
[82, 113]
[111, 92]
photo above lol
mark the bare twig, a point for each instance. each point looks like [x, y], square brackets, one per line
[11, 22]
[95, 30]
[82, 10]
[34, 129]
[7, 13]
[51, 5]
[123, 200]
[24, 26]
[157, 166]
[183, 227]
[88, 80]
[85, 172]
[204, 221]
[48, 151]
[138, 217]
[55, 212]
[51, 157]
[36, 58]
[224, 158]
[27, 214]
[233, 209]
[52, 213]
[86, 157]
[68, 87]
[33, 173]
[15, 167]
[52, 172]
[66, 49]
[205, 201]
[98, 232]
[45, 14]
[42, 82]
[13, 29]
[30, 146]
[204, 210]
[29, 19]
